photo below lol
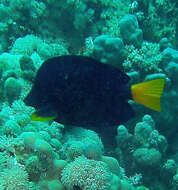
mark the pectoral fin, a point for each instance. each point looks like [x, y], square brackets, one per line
[44, 114]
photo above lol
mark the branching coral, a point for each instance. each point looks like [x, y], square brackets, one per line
[145, 60]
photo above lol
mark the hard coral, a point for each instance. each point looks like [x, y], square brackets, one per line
[145, 60]
[14, 178]
[147, 158]
[86, 174]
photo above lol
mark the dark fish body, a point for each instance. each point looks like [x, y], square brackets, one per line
[81, 91]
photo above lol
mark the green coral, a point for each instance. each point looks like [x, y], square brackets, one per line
[12, 89]
[141, 188]
[157, 14]
[146, 158]
[86, 174]
[29, 44]
[145, 60]
[14, 178]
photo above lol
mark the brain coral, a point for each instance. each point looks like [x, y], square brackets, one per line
[86, 174]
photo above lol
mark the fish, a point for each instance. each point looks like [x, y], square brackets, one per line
[81, 91]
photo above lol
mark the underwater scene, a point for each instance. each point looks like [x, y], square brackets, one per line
[88, 94]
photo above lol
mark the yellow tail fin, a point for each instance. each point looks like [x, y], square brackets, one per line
[149, 93]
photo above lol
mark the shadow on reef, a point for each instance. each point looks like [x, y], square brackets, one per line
[75, 187]
[172, 141]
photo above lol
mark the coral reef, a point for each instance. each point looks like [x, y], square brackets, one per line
[109, 50]
[86, 174]
[146, 154]
[14, 178]
[139, 37]
[130, 31]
